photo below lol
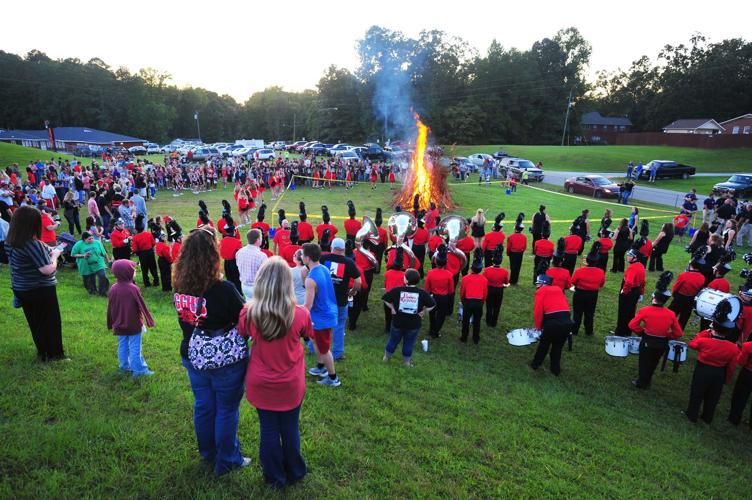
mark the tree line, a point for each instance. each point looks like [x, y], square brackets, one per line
[505, 96]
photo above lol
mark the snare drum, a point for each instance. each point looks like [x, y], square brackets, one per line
[519, 337]
[634, 345]
[534, 335]
[617, 346]
[708, 299]
[676, 346]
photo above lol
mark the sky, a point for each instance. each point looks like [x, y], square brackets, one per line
[238, 48]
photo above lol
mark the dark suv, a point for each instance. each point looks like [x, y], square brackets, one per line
[373, 151]
[740, 185]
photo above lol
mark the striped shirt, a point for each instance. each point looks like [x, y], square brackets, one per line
[25, 263]
[249, 259]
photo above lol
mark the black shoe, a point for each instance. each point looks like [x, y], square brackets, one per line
[463, 340]
[533, 365]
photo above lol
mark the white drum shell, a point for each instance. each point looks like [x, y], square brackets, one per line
[634, 345]
[708, 299]
[519, 337]
[617, 346]
[682, 354]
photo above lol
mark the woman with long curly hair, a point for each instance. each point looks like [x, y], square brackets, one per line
[208, 306]
[275, 381]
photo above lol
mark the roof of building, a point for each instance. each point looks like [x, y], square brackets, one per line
[692, 123]
[595, 118]
[746, 115]
[70, 134]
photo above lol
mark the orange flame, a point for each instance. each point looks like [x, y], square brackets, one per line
[421, 177]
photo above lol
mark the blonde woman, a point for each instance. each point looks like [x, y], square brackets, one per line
[477, 226]
[275, 380]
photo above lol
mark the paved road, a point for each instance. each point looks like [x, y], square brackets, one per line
[641, 192]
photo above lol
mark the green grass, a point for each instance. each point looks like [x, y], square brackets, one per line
[12, 153]
[615, 158]
[467, 421]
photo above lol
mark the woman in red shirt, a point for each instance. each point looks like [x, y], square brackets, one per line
[498, 280]
[275, 379]
[473, 294]
[551, 317]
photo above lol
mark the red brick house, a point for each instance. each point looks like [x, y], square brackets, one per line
[741, 125]
[597, 128]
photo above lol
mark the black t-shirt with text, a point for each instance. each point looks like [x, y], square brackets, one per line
[342, 269]
[408, 301]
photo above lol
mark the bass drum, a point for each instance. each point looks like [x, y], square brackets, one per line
[708, 299]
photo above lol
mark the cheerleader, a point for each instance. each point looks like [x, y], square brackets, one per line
[305, 230]
[687, 286]
[352, 225]
[164, 262]
[498, 280]
[262, 226]
[551, 317]
[516, 249]
[657, 325]
[632, 289]
[393, 277]
[374, 176]
[717, 355]
[243, 206]
[348, 178]
[316, 179]
[473, 293]
[477, 227]
[587, 282]
[440, 284]
[392, 179]
[493, 239]
[325, 225]
[543, 248]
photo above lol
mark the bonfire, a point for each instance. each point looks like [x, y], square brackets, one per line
[426, 179]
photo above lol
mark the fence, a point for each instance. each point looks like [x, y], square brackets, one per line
[682, 140]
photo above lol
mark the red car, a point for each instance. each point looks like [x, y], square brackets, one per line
[596, 186]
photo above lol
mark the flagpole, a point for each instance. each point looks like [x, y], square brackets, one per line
[198, 127]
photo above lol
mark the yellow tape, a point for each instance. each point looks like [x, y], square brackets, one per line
[597, 200]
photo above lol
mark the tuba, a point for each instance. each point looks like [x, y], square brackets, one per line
[403, 225]
[453, 228]
[368, 231]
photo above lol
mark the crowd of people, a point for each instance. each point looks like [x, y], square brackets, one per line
[294, 287]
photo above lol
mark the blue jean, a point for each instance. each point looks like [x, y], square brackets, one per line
[408, 338]
[338, 335]
[279, 446]
[216, 413]
[129, 354]
[625, 197]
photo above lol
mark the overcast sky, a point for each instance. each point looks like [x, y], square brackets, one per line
[239, 47]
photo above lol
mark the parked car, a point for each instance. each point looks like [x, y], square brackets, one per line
[668, 168]
[463, 164]
[337, 147]
[241, 151]
[84, 151]
[592, 185]
[373, 151]
[516, 166]
[317, 149]
[740, 185]
[137, 150]
[168, 148]
[500, 154]
[294, 146]
[151, 148]
[278, 145]
[264, 154]
[348, 156]
[479, 159]
[203, 154]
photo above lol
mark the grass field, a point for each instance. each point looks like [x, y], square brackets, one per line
[615, 158]
[467, 421]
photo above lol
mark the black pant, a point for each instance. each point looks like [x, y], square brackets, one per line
[73, 221]
[379, 253]
[707, 384]
[233, 274]
[556, 329]
[360, 301]
[740, 396]
[536, 237]
[420, 254]
[42, 311]
[618, 266]
[652, 350]
[165, 274]
[97, 283]
[584, 302]
[439, 313]
[627, 309]
[471, 308]
[537, 262]
[515, 263]
[148, 266]
[682, 305]
[493, 305]
[569, 262]
[121, 253]
[603, 262]
[656, 261]
[487, 258]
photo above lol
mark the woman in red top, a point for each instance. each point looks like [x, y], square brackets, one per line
[587, 282]
[316, 177]
[473, 294]
[393, 277]
[440, 284]
[498, 280]
[275, 379]
[657, 325]
[717, 354]
[392, 179]
[243, 206]
[516, 249]
[551, 317]
[374, 176]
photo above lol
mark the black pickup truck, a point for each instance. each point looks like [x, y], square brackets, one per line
[667, 168]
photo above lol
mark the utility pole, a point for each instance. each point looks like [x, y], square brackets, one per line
[294, 122]
[386, 122]
[566, 118]
[198, 127]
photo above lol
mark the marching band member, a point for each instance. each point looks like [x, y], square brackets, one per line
[419, 241]
[743, 386]
[606, 245]
[440, 284]
[383, 239]
[142, 244]
[228, 249]
[744, 323]
[325, 225]
[498, 280]
[222, 222]
[352, 225]
[493, 239]
[587, 282]
[164, 262]
[657, 325]
[516, 247]
[393, 277]
[717, 354]
[558, 274]
[262, 226]
[632, 288]
[467, 245]
[360, 303]
[473, 293]
[551, 317]
[203, 215]
[687, 286]
[305, 230]
[288, 252]
[282, 234]
[120, 238]
[719, 281]
[432, 218]
[543, 248]
[644, 245]
[572, 245]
